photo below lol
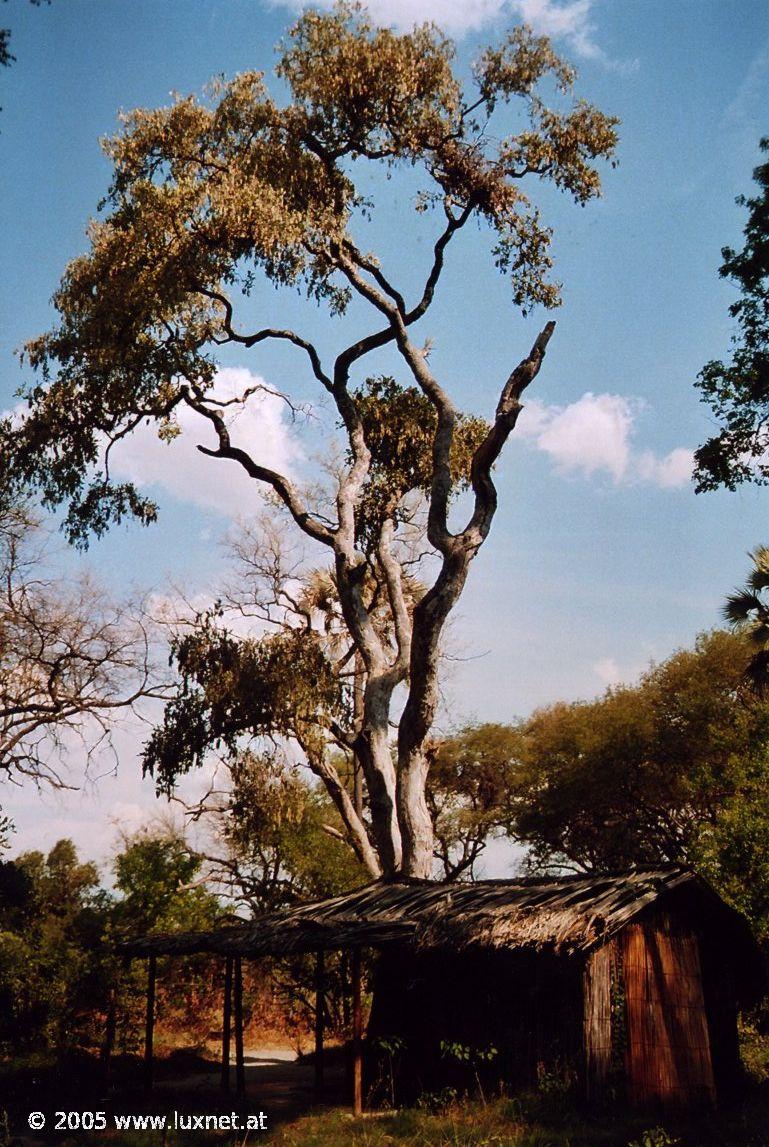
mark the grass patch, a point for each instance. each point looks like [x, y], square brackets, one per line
[461, 1124]
[527, 1121]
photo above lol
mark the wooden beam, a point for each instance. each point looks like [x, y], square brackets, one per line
[226, 1024]
[357, 1035]
[149, 1027]
[320, 1017]
[240, 1066]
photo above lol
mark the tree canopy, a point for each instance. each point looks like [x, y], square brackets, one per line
[60, 974]
[472, 773]
[673, 769]
[738, 391]
[267, 837]
[210, 196]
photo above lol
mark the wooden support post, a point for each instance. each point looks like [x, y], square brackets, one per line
[320, 1018]
[240, 1067]
[149, 1029]
[357, 1035]
[110, 1026]
[226, 1024]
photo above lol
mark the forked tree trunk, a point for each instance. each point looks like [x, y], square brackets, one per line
[414, 817]
[374, 752]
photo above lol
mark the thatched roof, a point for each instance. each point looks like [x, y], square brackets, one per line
[565, 913]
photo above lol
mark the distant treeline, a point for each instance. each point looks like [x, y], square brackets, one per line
[674, 768]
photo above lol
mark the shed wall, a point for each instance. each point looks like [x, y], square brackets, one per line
[668, 1059]
[597, 1025]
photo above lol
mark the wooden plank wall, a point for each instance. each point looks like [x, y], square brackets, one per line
[667, 1055]
[597, 1023]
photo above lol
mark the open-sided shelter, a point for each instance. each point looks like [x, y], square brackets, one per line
[629, 983]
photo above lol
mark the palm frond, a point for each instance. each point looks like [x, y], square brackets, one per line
[758, 631]
[757, 672]
[760, 559]
[759, 580]
[741, 605]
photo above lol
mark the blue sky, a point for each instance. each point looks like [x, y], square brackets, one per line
[601, 557]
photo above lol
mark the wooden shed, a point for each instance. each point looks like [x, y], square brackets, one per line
[627, 985]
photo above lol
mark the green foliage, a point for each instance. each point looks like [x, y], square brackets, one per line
[747, 610]
[6, 828]
[738, 391]
[282, 684]
[471, 775]
[274, 824]
[58, 963]
[399, 424]
[754, 1047]
[155, 875]
[473, 1059]
[557, 1081]
[49, 951]
[15, 894]
[655, 1137]
[465, 1054]
[672, 769]
[437, 1102]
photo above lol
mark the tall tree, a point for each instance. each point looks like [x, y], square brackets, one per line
[738, 394]
[738, 391]
[53, 918]
[206, 196]
[267, 838]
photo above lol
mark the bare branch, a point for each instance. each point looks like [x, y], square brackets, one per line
[359, 837]
[70, 659]
[393, 574]
[266, 333]
[454, 224]
[508, 409]
[285, 489]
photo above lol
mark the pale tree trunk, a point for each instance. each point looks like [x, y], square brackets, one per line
[419, 712]
[431, 613]
[374, 752]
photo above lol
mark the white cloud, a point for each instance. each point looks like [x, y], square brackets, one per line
[261, 426]
[568, 20]
[594, 436]
[612, 672]
[608, 671]
[674, 469]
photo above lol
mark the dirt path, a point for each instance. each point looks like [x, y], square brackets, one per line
[277, 1082]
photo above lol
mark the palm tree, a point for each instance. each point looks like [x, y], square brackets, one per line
[747, 611]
